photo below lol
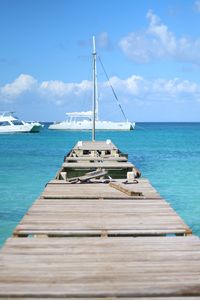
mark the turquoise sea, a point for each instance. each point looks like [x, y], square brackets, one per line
[167, 153]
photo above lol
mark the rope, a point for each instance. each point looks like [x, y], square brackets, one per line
[112, 89]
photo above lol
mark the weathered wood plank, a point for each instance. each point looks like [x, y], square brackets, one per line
[104, 164]
[111, 298]
[97, 145]
[101, 206]
[141, 181]
[120, 242]
[97, 216]
[82, 158]
[98, 287]
[125, 189]
[86, 191]
[96, 267]
[24, 232]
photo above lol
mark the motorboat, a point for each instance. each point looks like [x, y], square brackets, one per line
[11, 124]
[84, 120]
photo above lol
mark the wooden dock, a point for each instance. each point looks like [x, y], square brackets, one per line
[102, 237]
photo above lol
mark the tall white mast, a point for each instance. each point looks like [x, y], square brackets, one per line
[95, 103]
[96, 85]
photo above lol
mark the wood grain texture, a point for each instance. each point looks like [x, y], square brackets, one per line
[98, 216]
[61, 190]
[96, 145]
[102, 164]
[101, 267]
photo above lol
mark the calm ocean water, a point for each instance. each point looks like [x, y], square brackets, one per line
[167, 153]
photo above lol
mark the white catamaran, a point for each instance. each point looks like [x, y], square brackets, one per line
[83, 120]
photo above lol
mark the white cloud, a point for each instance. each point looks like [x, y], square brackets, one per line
[53, 89]
[132, 85]
[157, 41]
[61, 89]
[164, 37]
[20, 85]
[153, 89]
[175, 87]
[134, 90]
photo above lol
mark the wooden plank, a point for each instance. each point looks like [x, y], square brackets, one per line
[125, 189]
[107, 245]
[20, 232]
[112, 298]
[99, 288]
[83, 158]
[93, 190]
[88, 176]
[104, 164]
[99, 267]
[138, 208]
[140, 184]
[145, 202]
[94, 217]
[144, 182]
[88, 227]
[95, 145]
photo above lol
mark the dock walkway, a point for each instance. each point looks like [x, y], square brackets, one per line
[100, 239]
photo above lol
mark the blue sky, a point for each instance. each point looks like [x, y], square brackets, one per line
[150, 49]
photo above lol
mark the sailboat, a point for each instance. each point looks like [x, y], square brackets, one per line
[83, 120]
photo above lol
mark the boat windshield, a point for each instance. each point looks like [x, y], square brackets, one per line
[4, 123]
[17, 122]
[78, 119]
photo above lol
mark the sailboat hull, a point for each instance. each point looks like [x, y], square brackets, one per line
[87, 125]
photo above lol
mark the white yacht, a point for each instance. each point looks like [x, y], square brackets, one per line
[84, 120]
[11, 124]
